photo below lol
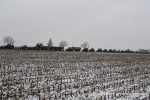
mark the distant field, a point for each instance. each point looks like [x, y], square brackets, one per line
[43, 75]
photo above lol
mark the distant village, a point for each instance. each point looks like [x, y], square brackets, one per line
[9, 44]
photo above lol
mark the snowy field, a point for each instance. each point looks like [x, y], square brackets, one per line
[42, 75]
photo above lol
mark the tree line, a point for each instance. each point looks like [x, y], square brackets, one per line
[9, 44]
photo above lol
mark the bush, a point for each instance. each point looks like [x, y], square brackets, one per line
[99, 50]
[92, 50]
[8, 46]
[85, 50]
[105, 50]
[69, 49]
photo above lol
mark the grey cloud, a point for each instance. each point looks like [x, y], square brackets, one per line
[120, 24]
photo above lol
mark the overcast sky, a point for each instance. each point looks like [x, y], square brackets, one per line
[119, 24]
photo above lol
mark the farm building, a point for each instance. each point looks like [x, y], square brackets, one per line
[51, 48]
[74, 49]
[56, 48]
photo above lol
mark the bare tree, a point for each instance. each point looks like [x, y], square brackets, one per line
[8, 40]
[63, 43]
[85, 45]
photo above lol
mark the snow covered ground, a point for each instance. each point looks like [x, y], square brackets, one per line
[43, 75]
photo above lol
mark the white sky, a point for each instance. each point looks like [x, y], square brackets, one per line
[116, 24]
